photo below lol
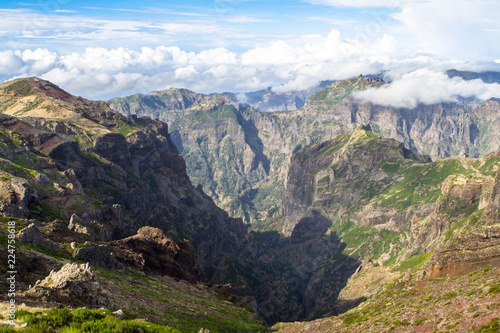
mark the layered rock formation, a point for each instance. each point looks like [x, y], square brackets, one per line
[240, 155]
[353, 199]
[152, 251]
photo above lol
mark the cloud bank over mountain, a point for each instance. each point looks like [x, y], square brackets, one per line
[102, 73]
[244, 45]
[425, 86]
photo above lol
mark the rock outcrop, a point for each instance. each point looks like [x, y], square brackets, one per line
[98, 255]
[32, 236]
[152, 252]
[72, 284]
[16, 194]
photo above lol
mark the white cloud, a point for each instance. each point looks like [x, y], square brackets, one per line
[286, 65]
[459, 29]
[426, 86]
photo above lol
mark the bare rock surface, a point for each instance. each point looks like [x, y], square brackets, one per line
[73, 284]
[31, 235]
[98, 255]
[15, 195]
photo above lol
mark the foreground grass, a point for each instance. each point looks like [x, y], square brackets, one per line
[82, 320]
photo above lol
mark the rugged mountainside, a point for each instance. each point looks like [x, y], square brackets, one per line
[240, 156]
[173, 101]
[359, 210]
[83, 173]
[267, 100]
[109, 174]
[487, 77]
[393, 209]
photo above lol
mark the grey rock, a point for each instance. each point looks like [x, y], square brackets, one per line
[31, 235]
[75, 224]
[42, 179]
[98, 255]
[72, 283]
[15, 196]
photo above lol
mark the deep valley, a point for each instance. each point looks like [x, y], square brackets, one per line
[183, 211]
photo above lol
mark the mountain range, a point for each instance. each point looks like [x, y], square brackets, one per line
[355, 216]
[240, 155]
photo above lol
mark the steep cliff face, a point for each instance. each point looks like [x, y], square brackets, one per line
[77, 160]
[245, 159]
[369, 181]
[395, 209]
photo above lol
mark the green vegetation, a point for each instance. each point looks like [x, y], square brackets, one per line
[124, 128]
[336, 92]
[45, 211]
[492, 327]
[418, 182]
[226, 111]
[19, 88]
[173, 305]
[325, 179]
[414, 262]
[449, 305]
[83, 320]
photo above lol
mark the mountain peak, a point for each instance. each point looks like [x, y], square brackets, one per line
[338, 90]
[34, 86]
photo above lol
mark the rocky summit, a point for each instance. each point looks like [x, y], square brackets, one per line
[359, 217]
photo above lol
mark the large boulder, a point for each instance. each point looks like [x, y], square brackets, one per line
[153, 252]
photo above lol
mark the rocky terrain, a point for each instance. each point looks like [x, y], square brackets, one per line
[85, 181]
[102, 201]
[241, 156]
[468, 303]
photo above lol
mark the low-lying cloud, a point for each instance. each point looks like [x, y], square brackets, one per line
[425, 86]
[101, 73]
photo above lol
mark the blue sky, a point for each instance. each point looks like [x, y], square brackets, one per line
[103, 49]
[193, 26]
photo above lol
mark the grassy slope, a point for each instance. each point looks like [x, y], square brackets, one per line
[466, 303]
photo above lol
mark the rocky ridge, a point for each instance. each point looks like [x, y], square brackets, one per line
[97, 176]
[357, 205]
[241, 156]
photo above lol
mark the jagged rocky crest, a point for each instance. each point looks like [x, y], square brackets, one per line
[358, 205]
[240, 155]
